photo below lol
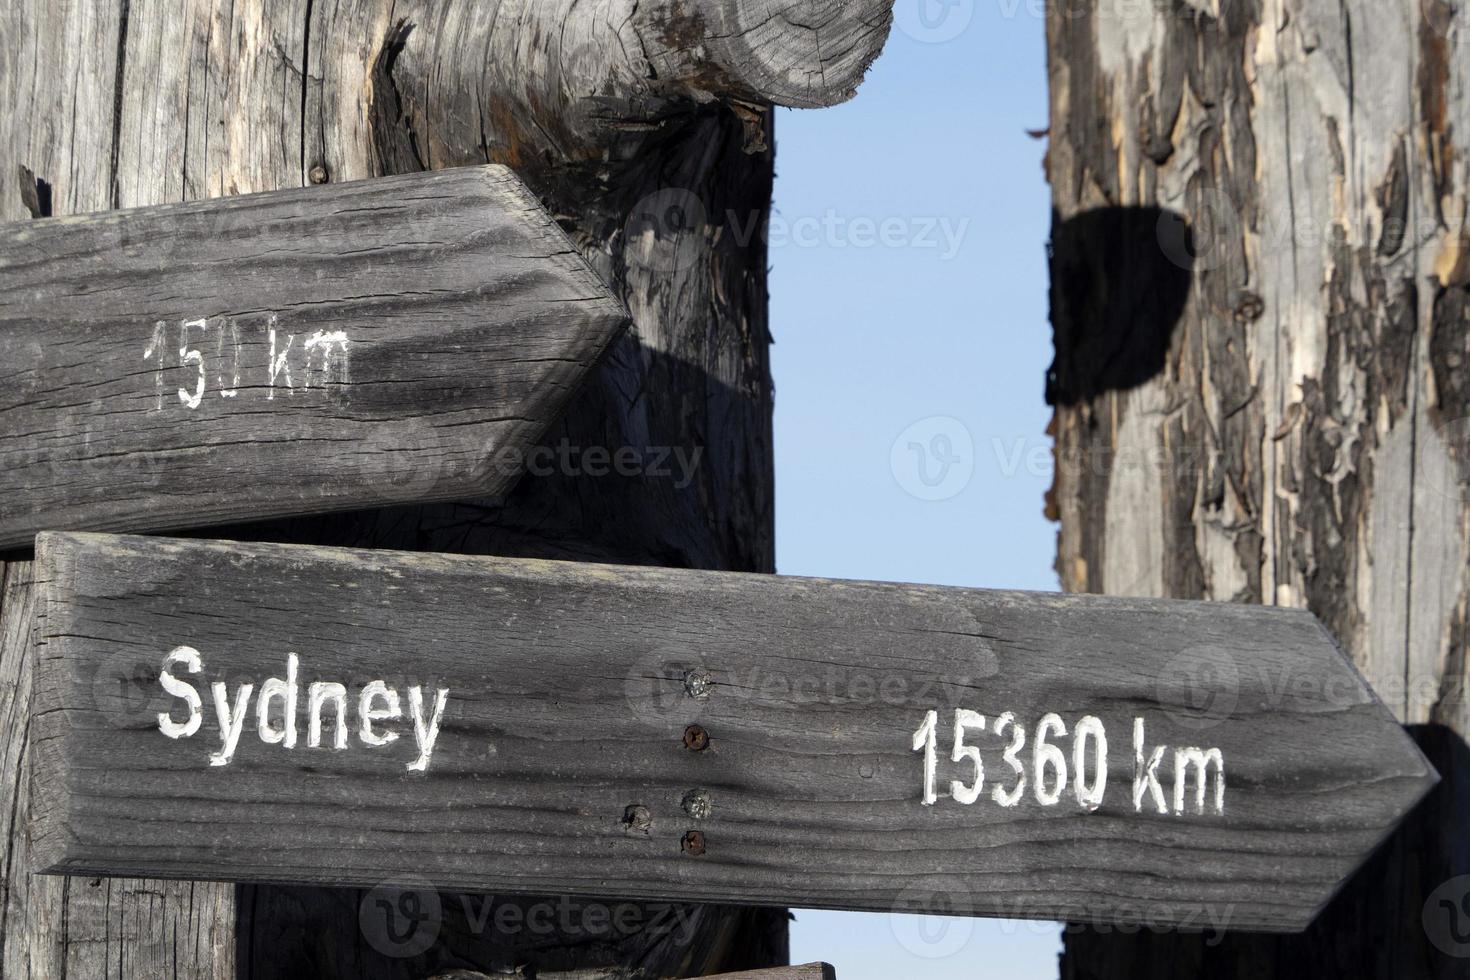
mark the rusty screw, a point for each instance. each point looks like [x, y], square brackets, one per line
[693, 844]
[696, 739]
[318, 174]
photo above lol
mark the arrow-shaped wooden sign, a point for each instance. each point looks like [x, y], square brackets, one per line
[289, 714]
[329, 348]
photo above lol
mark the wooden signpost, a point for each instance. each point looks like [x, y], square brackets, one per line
[809, 971]
[290, 714]
[329, 348]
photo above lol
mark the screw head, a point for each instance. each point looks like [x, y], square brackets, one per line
[696, 739]
[698, 684]
[318, 174]
[698, 804]
[693, 844]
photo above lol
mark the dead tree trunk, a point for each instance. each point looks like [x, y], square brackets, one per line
[646, 128]
[1260, 303]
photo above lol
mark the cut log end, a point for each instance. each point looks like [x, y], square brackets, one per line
[800, 53]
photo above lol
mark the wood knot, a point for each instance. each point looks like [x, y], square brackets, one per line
[1249, 307]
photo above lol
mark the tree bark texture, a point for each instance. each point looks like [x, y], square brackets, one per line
[646, 128]
[1261, 293]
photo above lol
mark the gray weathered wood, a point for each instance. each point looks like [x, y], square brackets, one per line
[809, 971]
[1291, 428]
[406, 339]
[122, 104]
[567, 763]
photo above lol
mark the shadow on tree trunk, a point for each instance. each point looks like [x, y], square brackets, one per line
[1120, 281]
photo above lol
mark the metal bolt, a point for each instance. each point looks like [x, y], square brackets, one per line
[693, 844]
[696, 739]
[698, 684]
[698, 804]
[637, 819]
[318, 174]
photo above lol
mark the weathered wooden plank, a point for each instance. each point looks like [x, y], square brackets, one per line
[211, 98]
[60, 927]
[374, 342]
[60, 68]
[656, 734]
[808, 971]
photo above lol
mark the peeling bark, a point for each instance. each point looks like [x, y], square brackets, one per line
[1298, 438]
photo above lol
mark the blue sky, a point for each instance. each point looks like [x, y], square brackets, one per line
[909, 307]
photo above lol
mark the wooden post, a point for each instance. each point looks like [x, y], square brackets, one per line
[1259, 298]
[646, 132]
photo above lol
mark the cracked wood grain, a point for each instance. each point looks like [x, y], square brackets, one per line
[773, 717]
[1297, 438]
[208, 99]
[406, 339]
[809, 971]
